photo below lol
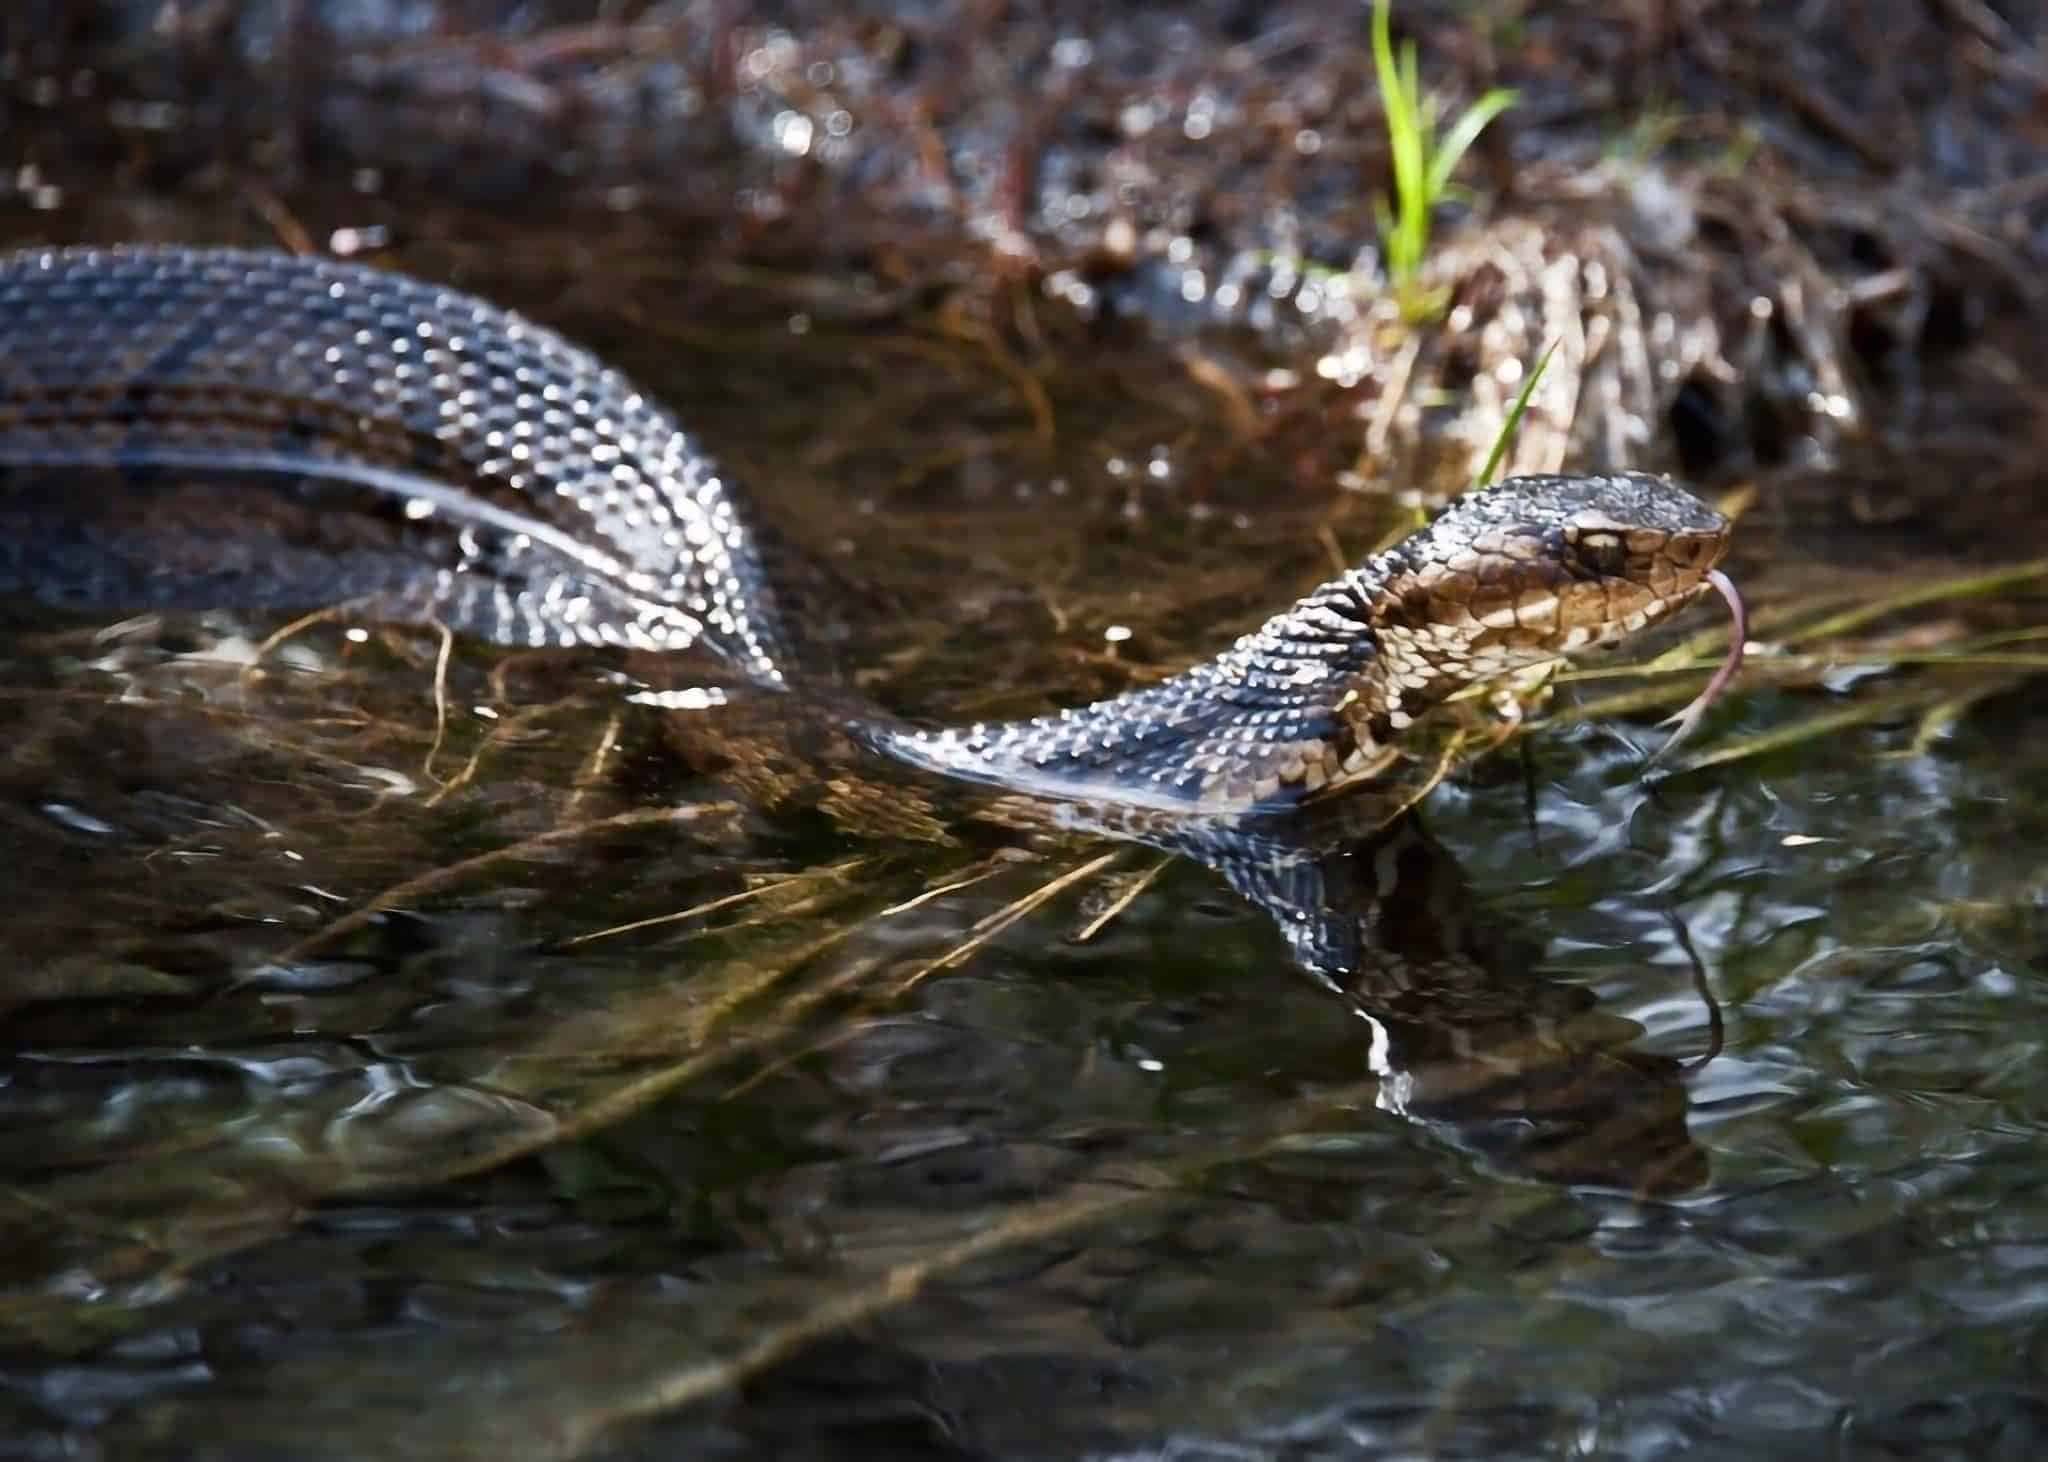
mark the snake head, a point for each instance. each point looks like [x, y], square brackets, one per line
[1530, 570]
[1314, 700]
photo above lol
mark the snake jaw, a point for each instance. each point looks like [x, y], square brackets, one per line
[1528, 573]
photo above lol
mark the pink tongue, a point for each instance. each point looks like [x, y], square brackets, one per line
[1689, 718]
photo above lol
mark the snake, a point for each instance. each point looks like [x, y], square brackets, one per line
[432, 457]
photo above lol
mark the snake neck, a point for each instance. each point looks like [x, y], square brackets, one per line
[1303, 704]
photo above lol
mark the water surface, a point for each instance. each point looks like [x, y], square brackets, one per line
[410, 1058]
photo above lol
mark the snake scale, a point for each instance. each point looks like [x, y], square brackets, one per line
[435, 457]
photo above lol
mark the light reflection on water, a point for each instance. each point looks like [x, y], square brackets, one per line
[1143, 1185]
[529, 1166]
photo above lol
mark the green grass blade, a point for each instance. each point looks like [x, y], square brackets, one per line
[1464, 132]
[1404, 149]
[1383, 215]
[1421, 161]
[1822, 727]
[1966, 586]
[1411, 157]
[1389, 76]
[1513, 424]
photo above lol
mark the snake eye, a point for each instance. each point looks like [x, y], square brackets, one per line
[1603, 554]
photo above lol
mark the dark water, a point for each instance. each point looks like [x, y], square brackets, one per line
[871, 1164]
[421, 1060]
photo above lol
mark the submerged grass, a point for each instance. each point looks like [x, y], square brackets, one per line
[768, 977]
[1809, 648]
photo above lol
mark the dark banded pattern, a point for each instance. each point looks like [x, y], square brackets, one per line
[431, 456]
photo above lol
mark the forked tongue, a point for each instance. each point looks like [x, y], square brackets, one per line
[1688, 719]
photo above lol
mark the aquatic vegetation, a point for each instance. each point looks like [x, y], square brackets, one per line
[1423, 159]
[1512, 422]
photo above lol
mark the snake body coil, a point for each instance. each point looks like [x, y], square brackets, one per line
[504, 481]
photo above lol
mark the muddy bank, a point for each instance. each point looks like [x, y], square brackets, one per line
[1780, 242]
